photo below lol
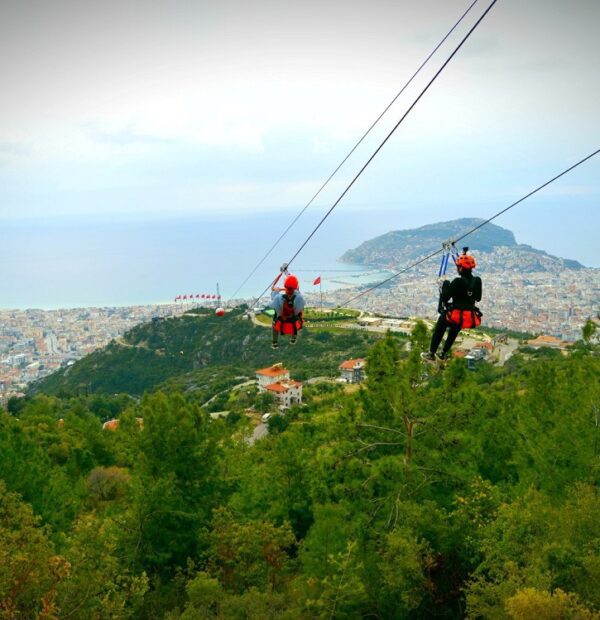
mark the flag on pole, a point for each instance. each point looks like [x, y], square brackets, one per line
[317, 281]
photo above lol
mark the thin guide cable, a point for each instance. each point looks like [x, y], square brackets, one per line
[358, 143]
[389, 135]
[469, 232]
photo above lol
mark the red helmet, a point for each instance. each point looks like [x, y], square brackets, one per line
[291, 282]
[466, 261]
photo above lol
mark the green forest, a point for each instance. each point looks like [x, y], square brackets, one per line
[428, 492]
[194, 344]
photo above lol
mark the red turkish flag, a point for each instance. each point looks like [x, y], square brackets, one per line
[317, 281]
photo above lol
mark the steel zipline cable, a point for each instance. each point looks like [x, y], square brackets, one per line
[382, 144]
[469, 232]
[358, 143]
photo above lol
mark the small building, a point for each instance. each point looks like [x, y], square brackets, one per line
[215, 415]
[369, 321]
[270, 375]
[477, 354]
[472, 361]
[401, 326]
[547, 341]
[287, 392]
[353, 370]
[485, 346]
[113, 425]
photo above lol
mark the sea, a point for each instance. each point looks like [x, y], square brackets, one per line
[70, 262]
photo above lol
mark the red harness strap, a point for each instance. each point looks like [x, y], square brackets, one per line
[466, 319]
[288, 323]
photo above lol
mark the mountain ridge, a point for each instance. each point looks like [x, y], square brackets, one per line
[490, 242]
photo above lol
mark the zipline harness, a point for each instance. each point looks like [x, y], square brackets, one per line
[288, 322]
[448, 249]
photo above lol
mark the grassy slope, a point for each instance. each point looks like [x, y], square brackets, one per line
[155, 352]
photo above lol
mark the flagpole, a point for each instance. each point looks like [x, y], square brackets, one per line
[321, 292]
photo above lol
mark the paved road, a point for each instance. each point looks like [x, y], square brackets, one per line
[506, 351]
[257, 322]
[260, 431]
[235, 388]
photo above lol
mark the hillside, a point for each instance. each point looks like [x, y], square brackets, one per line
[151, 353]
[429, 493]
[493, 244]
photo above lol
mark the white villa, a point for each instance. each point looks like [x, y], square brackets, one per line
[272, 374]
[276, 380]
[353, 370]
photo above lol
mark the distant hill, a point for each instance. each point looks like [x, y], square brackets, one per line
[194, 346]
[493, 245]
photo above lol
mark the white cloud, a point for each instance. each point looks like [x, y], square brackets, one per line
[262, 100]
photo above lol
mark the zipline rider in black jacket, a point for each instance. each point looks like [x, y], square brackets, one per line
[464, 292]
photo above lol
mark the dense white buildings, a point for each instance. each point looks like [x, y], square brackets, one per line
[35, 343]
[554, 303]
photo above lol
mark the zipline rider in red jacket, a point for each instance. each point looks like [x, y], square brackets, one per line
[461, 312]
[288, 304]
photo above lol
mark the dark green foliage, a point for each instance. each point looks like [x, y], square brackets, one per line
[153, 353]
[27, 468]
[424, 493]
[175, 483]
[277, 424]
[589, 330]
[15, 405]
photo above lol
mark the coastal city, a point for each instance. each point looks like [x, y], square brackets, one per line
[552, 303]
[35, 343]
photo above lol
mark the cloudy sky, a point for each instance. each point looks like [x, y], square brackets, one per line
[166, 108]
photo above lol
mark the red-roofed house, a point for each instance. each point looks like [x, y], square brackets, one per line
[353, 370]
[272, 374]
[113, 425]
[287, 392]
